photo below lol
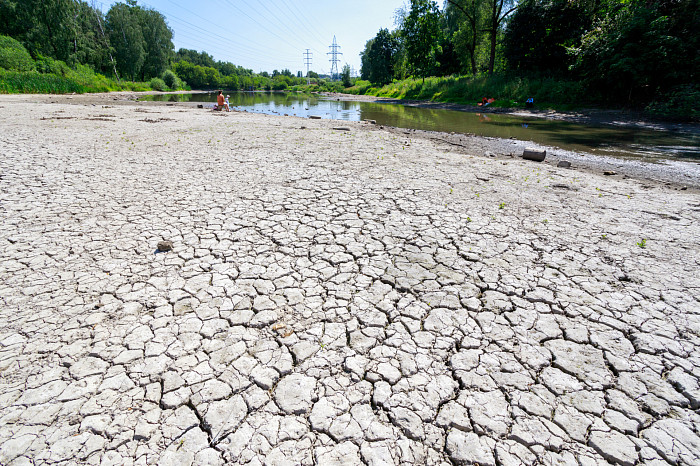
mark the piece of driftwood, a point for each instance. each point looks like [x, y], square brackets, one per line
[534, 154]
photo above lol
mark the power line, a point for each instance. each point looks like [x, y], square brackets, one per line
[246, 53]
[206, 37]
[292, 34]
[284, 40]
[192, 32]
[227, 30]
[310, 30]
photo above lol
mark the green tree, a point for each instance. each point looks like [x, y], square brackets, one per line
[642, 50]
[126, 38]
[54, 33]
[379, 57]
[45, 27]
[91, 44]
[158, 43]
[464, 20]
[198, 77]
[422, 34]
[539, 33]
[498, 11]
[345, 76]
[66, 30]
[195, 58]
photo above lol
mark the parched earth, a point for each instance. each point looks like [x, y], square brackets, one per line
[333, 296]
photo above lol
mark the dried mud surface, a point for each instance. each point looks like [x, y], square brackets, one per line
[336, 293]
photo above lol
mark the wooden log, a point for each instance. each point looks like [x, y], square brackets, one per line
[534, 154]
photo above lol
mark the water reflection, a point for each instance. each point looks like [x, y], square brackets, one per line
[611, 141]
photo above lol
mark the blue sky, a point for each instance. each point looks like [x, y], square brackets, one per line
[264, 35]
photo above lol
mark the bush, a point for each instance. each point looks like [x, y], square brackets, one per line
[49, 65]
[280, 86]
[13, 55]
[135, 86]
[91, 81]
[170, 79]
[158, 84]
[682, 102]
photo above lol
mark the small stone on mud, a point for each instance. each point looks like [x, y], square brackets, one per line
[609, 173]
[165, 246]
[564, 164]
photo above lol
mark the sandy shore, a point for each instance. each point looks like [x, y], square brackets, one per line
[336, 293]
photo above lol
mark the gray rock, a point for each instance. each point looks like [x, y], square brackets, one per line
[165, 246]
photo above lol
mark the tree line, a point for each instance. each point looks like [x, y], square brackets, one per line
[623, 51]
[129, 42]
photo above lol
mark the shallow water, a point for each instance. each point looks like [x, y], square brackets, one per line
[630, 143]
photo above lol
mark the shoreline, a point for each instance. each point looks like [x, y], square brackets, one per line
[594, 117]
[677, 174]
[182, 286]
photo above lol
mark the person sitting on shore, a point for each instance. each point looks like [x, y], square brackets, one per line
[221, 102]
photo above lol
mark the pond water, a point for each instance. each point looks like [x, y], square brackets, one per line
[645, 144]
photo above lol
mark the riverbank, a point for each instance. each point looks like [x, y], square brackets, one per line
[591, 116]
[181, 286]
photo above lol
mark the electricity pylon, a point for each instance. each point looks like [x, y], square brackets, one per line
[308, 56]
[334, 59]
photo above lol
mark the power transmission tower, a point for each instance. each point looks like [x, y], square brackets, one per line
[308, 56]
[334, 59]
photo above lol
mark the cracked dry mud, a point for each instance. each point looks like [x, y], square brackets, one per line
[333, 298]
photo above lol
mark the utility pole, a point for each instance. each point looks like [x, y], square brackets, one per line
[308, 56]
[334, 59]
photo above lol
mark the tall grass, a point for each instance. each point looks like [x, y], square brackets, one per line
[55, 77]
[32, 82]
[80, 80]
[507, 90]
